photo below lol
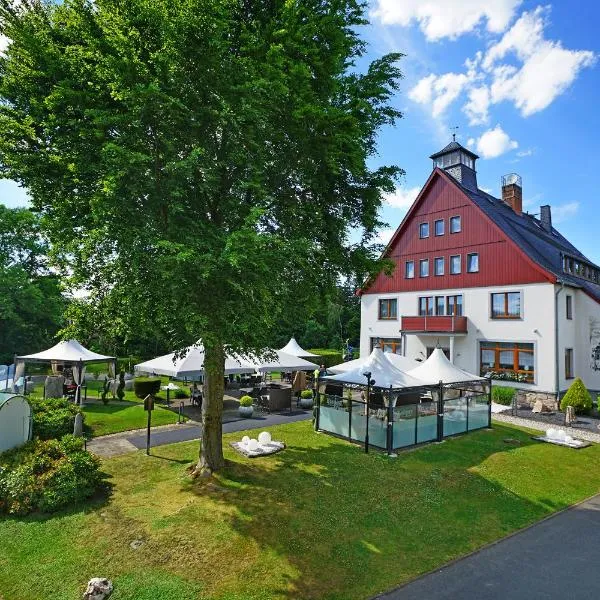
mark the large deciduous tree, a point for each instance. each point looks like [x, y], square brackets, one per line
[199, 163]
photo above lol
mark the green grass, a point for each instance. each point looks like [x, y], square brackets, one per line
[319, 520]
[103, 419]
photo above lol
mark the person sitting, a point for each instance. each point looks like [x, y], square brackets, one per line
[196, 395]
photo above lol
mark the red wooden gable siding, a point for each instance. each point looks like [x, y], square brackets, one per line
[500, 261]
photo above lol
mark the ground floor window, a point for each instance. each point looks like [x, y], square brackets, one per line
[569, 363]
[387, 344]
[507, 360]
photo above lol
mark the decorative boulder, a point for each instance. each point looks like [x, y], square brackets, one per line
[78, 427]
[53, 386]
[540, 407]
[98, 588]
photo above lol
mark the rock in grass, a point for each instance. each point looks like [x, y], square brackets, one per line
[512, 441]
[98, 588]
[136, 544]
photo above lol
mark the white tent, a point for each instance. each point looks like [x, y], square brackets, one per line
[284, 362]
[400, 362]
[383, 372]
[438, 368]
[294, 348]
[70, 351]
[191, 365]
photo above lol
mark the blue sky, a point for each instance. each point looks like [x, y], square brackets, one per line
[520, 79]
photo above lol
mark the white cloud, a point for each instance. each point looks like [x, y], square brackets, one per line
[522, 67]
[449, 18]
[562, 212]
[495, 142]
[478, 106]
[402, 198]
[385, 235]
[471, 142]
[524, 153]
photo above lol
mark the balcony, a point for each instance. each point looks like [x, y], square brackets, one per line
[433, 324]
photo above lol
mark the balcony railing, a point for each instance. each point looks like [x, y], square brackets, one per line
[434, 324]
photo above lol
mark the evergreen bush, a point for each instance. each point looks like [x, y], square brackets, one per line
[326, 357]
[578, 397]
[306, 394]
[246, 401]
[53, 417]
[142, 386]
[503, 395]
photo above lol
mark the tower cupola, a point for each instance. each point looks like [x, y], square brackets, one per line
[459, 162]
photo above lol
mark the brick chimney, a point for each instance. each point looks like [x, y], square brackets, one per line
[546, 218]
[512, 192]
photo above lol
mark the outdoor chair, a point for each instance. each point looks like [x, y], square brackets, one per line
[262, 404]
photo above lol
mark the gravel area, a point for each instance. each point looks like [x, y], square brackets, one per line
[555, 421]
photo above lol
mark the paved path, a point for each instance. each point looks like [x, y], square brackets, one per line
[554, 559]
[130, 441]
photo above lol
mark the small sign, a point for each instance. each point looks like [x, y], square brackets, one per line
[148, 403]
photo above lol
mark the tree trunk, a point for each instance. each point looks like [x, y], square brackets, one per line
[211, 446]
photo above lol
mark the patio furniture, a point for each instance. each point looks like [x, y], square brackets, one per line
[262, 404]
[280, 399]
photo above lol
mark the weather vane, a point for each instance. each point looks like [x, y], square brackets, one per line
[454, 129]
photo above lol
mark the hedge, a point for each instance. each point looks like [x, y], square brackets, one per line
[329, 358]
[142, 386]
[578, 397]
[47, 476]
[53, 417]
[503, 395]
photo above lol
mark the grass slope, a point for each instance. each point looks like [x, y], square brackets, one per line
[103, 419]
[319, 520]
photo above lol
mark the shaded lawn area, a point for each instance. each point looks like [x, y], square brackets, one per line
[319, 520]
[102, 419]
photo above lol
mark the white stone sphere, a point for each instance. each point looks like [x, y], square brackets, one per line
[264, 437]
[560, 434]
[253, 444]
[551, 433]
[245, 440]
[568, 439]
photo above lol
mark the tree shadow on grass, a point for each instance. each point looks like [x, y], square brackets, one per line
[352, 524]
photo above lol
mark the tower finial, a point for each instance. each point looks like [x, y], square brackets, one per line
[454, 129]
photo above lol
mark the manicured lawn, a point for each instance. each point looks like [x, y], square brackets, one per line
[102, 419]
[319, 520]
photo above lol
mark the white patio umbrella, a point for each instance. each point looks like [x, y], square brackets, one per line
[294, 348]
[400, 362]
[383, 372]
[438, 368]
[191, 365]
[284, 362]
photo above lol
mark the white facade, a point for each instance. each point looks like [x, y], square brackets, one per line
[536, 326]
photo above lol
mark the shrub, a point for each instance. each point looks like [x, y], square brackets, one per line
[121, 386]
[578, 397]
[329, 358]
[246, 401]
[53, 417]
[180, 394]
[503, 395]
[142, 386]
[47, 476]
[306, 394]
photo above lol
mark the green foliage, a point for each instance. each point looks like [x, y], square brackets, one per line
[53, 417]
[31, 303]
[47, 476]
[578, 397]
[121, 386]
[246, 401]
[329, 358]
[306, 394]
[503, 395]
[105, 390]
[180, 394]
[142, 386]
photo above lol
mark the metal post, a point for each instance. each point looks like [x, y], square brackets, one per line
[318, 411]
[350, 417]
[440, 428]
[390, 424]
[148, 433]
[180, 413]
[467, 398]
[78, 389]
[369, 382]
[168, 390]
[85, 393]
[417, 421]
[490, 403]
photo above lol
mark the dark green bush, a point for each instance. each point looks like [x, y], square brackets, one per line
[53, 417]
[180, 394]
[503, 395]
[578, 397]
[142, 386]
[326, 357]
[47, 475]
[306, 394]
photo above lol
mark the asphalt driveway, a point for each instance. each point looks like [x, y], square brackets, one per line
[555, 559]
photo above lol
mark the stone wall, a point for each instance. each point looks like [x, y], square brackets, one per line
[527, 399]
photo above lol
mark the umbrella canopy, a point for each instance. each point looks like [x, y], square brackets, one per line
[192, 364]
[383, 372]
[284, 362]
[438, 368]
[294, 348]
[400, 362]
[70, 351]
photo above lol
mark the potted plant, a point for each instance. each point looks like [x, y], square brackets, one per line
[306, 399]
[246, 408]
